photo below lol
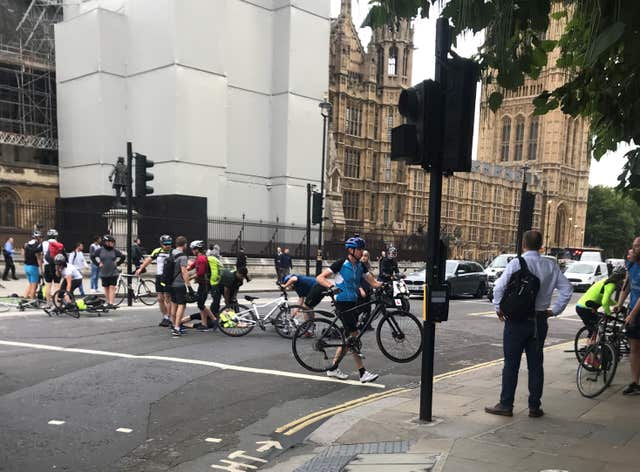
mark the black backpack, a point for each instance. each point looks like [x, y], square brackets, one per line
[519, 300]
[168, 269]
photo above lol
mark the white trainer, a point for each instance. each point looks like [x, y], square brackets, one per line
[338, 374]
[368, 377]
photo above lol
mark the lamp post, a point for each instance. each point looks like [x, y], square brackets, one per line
[548, 220]
[569, 236]
[325, 111]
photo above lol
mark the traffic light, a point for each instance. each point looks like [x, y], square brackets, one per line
[142, 176]
[419, 140]
[316, 214]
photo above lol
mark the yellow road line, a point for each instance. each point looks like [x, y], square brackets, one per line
[315, 419]
[320, 412]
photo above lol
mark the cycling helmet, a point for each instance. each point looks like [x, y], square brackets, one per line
[36, 234]
[108, 237]
[392, 252]
[60, 259]
[200, 245]
[355, 243]
[618, 273]
[52, 233]
[166, 240]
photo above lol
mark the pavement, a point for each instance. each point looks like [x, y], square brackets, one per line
[575, 435]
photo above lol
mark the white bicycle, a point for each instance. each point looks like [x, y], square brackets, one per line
[238, 320]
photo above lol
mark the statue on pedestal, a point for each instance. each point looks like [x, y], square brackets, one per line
[118, 177]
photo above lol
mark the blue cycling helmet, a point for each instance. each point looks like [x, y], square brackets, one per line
[355, 243]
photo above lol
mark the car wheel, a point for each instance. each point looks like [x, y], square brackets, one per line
[481, 290]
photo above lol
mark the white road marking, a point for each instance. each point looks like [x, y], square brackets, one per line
[124, 430]
[482, 313]
[179, 360]
[56, 422]
[213, 440]
[266, 445]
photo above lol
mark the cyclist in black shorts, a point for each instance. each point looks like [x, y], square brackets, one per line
[159, 255]
[201, 265]
[70, 276]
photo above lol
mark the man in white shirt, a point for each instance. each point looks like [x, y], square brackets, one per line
[528, 335]
[76, 258]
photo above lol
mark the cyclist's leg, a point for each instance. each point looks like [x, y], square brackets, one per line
[205, 313]
[216, 294]
[589, 318]
[48, 280]
[180, 301]
[350, 322]
[164, 301]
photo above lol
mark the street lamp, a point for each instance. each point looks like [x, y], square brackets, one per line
[570, 243]
[325, 111]
[548, 220]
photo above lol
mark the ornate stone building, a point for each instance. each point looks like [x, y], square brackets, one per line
[389, 201]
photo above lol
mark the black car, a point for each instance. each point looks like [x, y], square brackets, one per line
[466, 278]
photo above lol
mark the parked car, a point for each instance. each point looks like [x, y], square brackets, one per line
[466, 278]
[492, 278]
[415, 281]
[496, 268]
[583, 274]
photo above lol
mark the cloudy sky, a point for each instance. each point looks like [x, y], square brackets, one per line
[604, 172]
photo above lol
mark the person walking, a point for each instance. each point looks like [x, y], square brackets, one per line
[278, 264]
[286, 263]
[10, 266]
[241, 259]
[76, 258]
[95, 269]
[32, 254]
[137, 253]
[108, 258]
[528, 335]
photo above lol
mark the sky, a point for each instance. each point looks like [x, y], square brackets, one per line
[604, 172]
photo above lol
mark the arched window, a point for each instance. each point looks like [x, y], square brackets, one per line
[8, 208]
[380, 66]
[567, 143]
[575, 148]
[393, 61]
[506, 136]
[405, 61]
[519, 142]
[532, 147]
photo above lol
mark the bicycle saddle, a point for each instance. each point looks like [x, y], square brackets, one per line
[249, 298]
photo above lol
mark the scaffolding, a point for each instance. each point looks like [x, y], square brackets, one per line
[27, 73]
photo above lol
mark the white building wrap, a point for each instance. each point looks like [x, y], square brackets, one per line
[221, 94]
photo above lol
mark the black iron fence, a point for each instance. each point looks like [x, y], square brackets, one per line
[259, 239]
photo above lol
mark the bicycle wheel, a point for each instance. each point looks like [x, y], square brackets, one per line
[285, 323]
[399, 336]
[4, 307]
[145, 294]
[69, 309]
[10, 303]
[319, 345]
[121, 293]
[236, 325]
[581, 342]
[596, 370]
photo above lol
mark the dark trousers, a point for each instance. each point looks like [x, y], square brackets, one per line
[527, 336]
[9, 267]
[216, 294]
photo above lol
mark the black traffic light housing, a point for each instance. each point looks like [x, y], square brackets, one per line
[316, 214]
[142, 176]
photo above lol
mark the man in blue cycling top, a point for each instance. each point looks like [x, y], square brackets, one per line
[349, 273]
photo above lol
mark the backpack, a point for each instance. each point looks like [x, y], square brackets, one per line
[519, 300]
[169, 269]
[54, 248]
[214, 270]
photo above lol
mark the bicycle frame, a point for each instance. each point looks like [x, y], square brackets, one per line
[381, 309]
[259, 318]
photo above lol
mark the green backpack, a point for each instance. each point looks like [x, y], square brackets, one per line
[215, 270]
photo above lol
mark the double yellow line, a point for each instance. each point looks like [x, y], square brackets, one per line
[301, 423]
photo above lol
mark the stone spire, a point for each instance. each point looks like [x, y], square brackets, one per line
[345, 8]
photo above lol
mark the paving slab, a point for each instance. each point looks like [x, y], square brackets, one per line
[537, 462]
[489, 453]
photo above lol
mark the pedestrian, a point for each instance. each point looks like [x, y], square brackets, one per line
[529, 334]
[278, 263]
[108, 258]
[95, 269]
[137, 253]
[287, 263]
[76, 258]
[50, 249]
[632, 321]
[32, 254]
[241, 259]
[179, 285]
[10, 266]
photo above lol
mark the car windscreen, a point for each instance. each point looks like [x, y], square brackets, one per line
[451, 267]
[500, 262]
[578, 268]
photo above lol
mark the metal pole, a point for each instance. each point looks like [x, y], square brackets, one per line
[320, 248]
[522, 215]
[434, 271]
[129, 220]
[308, 235]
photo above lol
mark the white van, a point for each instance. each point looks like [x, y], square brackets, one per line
[583, 274]
[497, 267]
[591, 256]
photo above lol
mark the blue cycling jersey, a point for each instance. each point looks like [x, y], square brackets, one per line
[634, 288]
[303, 284]
[348, 279]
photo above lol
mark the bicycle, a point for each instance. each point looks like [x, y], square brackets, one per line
[398, 334]
[88, 304]
[597, 366]
[585, 336]
[143, 289]
[244, 318]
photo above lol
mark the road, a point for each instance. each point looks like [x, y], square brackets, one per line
[124, 395]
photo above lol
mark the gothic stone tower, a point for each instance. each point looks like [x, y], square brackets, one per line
[554, 146]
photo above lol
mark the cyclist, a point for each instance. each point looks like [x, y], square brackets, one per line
[215, 273]
[108, 258]
[70, 276]
[230, 283]
[201, 265]
[50, 248]
[309, 295]
[159, 255]
[349, 274]
[32, 253]
[599, 295]
[389, 265]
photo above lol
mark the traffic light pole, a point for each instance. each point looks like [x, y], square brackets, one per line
[308, 235]
[320, 255]
[521, 219]
[129, 220]
[434, 271]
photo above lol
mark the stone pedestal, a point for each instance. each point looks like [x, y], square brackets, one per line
[117, 225]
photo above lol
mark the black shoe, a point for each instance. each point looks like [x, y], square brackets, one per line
[499, 409]
[14, 278]
[175, 333]
[535, 412]
[201, 328]
[165, 323]
[631, 389]
[213, 325]
[195, 316]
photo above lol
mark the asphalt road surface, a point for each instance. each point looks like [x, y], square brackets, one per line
[124, 395]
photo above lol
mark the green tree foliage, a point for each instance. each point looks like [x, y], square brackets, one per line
[613, 220]
[599, 49]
